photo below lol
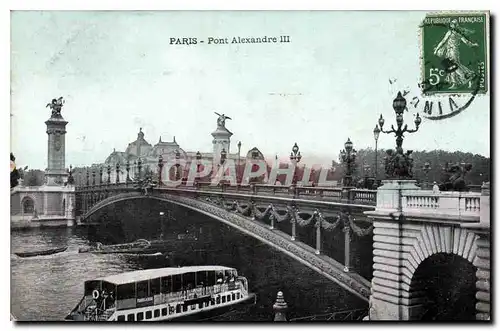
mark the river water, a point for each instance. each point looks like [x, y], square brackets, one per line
[48, 287]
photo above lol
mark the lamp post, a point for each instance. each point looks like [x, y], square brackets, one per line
[127, 168]
[160, 168]
[223, 156]
[177, 164]
[376, 134]
[295, 157]
[348, 157]
[118, 173]
[399, 165]
[426, 168]
[238, 180]
[198, 163]
[109, 173]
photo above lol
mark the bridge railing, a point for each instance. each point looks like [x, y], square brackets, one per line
[459, 204]
[334, 194]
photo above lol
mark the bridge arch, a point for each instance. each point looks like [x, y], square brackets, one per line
[433, 253]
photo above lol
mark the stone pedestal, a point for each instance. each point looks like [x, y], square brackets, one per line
[391, 298]
[389, 195]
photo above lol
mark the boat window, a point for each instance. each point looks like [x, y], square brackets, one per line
[201, 278]
[218, 300]
[109, 289]
[92, 285]
[149, 314]
[184, 308]
[171, 309]
[223, 299]
[211, 280]
[164, 312]
[238, 295]
[176, 283]
[178, 308]
[220, 277]
[130, 317]
[233, 296]
[155, 286]
[200, 305]
[188, 280]
[227, 275]
[121, 318]
[166, 284]
[126, 291]
[140, 316]
[157, 313]
[212, 301]
[142, 289]
[228, 298]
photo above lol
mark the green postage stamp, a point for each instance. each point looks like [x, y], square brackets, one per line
[455, 53]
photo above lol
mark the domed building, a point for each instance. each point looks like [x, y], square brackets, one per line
[148, 155]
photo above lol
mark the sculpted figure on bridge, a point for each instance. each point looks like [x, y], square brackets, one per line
[221, 121]
[454, 177]
[56, 106]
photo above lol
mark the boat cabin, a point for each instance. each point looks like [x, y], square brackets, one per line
[156, 286]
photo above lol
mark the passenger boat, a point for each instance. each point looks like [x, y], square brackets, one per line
[42, 252]
[162, 294]
[139, 246]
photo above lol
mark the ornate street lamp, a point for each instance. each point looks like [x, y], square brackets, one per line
[127, 168]
[177, 164]
[109, 173]
[238, 180]
[117, 172]
[139, 168]
[399, 165]
[348, 157]
[160, 168]
[295, 157]
[376, 134]
[198, 164]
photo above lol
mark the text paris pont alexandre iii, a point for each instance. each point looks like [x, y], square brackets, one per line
[230, 40]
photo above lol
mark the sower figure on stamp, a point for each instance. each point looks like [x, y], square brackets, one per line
[448, 48]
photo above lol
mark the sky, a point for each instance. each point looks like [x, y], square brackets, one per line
[118, 72]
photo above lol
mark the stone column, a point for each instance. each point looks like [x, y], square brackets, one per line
[318, 236]
[294, 229]
[347, 246]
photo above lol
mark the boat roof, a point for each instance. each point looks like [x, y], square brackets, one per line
[141, 275]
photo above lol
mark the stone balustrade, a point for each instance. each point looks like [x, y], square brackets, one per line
[465, 206]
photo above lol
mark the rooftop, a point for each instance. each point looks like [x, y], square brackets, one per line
[140, 275]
